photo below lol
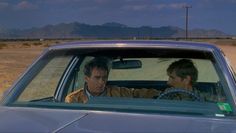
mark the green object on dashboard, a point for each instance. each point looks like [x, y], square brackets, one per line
[224, 107]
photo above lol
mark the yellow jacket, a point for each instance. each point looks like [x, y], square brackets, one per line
[79, 96]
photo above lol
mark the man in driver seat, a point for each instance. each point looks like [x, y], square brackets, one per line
[96, 74]
[182, 76]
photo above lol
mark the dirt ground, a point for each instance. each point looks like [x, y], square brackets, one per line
[15, 57]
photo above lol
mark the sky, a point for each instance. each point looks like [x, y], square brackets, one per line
[207, 14]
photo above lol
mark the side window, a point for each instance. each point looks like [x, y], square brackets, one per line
[77, 79]
[206, 71]
[80, 73]
[209, 82]
[45, 83]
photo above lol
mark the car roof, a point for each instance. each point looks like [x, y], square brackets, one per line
[135, 44]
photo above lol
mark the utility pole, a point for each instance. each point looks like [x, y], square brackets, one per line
[186, 23]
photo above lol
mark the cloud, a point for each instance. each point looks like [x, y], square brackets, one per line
[222, 1]
[134, 7]
[151, 6]
[68, 2]
[24, 5]
[233, 1]
[169, 6]
[3, 5]
[177, 5]
[101, 1]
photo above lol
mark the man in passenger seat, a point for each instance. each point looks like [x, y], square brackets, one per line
[96, 74]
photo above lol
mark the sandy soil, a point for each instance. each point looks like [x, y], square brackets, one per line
[13, 62]
[15, 57]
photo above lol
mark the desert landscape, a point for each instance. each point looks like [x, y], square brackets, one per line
[16, 56]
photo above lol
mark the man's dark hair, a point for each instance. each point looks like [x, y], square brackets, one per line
[97, 62]
[183, 68]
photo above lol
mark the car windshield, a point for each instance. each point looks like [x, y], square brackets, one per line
[142, 72]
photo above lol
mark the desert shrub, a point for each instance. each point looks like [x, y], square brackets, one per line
[46, 45]
[233, 43]
[57, 42]
[26, 44]
[37, 43]
[2, 45]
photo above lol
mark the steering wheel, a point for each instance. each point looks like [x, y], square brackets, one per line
[176, 92]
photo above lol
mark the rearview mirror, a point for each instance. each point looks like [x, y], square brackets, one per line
[126, 64]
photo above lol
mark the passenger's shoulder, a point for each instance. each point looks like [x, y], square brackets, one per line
[72, 97]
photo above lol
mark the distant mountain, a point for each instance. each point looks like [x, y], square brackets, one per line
[107, 30]
[114, 24]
